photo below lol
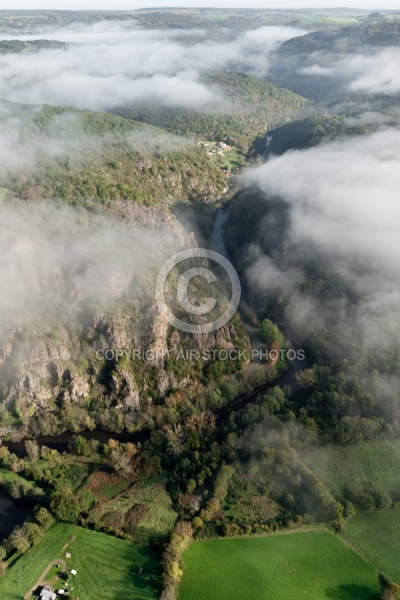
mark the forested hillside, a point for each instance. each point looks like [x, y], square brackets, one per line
[304, 64]
[331, 397]
[86, 156]
[376, 33]
[250, 106]
[309, 132]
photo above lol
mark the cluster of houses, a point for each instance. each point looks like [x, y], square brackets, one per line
[218, 149]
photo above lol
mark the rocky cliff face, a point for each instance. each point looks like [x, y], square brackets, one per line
[63, 285]
[74, 353]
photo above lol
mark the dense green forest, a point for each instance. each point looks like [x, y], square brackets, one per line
[331, 397]
[102, 158]
[308, 132]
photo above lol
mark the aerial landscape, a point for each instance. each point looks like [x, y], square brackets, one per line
[199, 301]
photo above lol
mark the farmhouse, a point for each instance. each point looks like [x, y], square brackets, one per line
[47, 594]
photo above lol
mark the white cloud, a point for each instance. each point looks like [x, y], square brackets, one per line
[53, 258]
[377, 74]
[344, 199]
[344, 195]
[372, 72]
[108, 65]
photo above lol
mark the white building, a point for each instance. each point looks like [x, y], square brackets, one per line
[47, 594]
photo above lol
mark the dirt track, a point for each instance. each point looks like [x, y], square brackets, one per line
[40, 581]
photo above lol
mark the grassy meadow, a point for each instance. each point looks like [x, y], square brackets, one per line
[342, 467]
[106, 566]
[312, 565]
[378, 536]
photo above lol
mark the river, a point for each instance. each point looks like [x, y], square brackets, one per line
[63, 442]
[12, 513]
[218, 244]
[217, 233]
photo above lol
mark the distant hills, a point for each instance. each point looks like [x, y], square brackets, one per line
[20, 46]
[380, 33]
[292, 56]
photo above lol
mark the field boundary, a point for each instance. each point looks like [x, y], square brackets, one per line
[351, 543]
[329, 539]
[304, 529]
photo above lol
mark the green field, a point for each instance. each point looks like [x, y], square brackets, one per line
[107, 566]
[354, 466]
[311, 565]
[378, 536]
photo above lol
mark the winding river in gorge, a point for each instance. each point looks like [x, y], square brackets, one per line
[13, 512]
[63, 442]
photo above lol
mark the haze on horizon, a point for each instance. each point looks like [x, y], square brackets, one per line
[137, 4]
